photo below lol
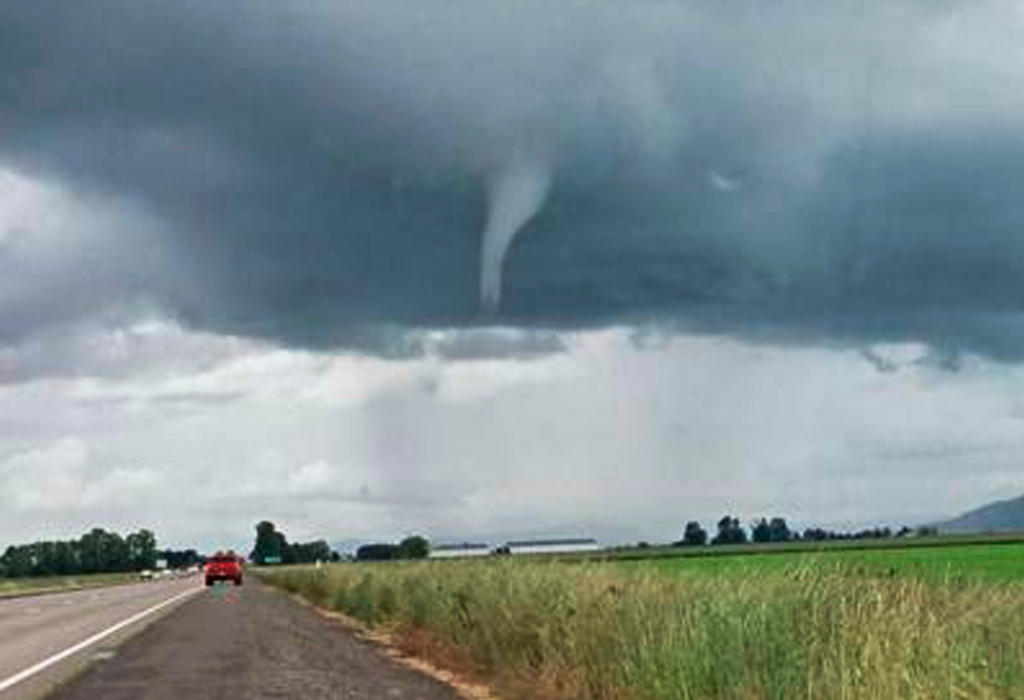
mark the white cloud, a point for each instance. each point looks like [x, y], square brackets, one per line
[608, 438]
[61, 477]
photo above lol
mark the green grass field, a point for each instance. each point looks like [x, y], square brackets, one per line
[921, 622]
[48, 584]
[977, 562]
[895, 543]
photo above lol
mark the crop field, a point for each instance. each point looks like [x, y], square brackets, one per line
[975, 562]
[938, 622]
[47, 584]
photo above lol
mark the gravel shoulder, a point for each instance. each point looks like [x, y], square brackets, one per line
[249, 642]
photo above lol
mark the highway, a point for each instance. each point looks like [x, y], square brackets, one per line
[220, 642]
[46, 639]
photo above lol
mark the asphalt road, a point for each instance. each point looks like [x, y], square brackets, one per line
[248, 642]
[38, 629]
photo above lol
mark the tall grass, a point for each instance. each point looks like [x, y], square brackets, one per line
[548, 629]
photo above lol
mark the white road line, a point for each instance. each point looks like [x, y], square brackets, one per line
[60, 656]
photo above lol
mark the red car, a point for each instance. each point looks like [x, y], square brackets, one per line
[224, 567]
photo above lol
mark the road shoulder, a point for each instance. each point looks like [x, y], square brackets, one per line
[250, 642]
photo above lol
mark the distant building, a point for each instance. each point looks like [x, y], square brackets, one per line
[465, 549]
[551, 546]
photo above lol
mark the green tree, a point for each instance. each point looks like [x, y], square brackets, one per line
[269, 543]
[309, 552]
[114, 553]
[142, 549]
[730, 531]
[45, 558]
[778, 531]
[17, 561]
[95, 551]
[178, 559]
[377, 552]
[759, 531]
[414, 547]
[66, 558]
[694, 535]
[288, 553]
[90, 546]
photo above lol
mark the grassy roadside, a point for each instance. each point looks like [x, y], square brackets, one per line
[55, 584]
[536, 629]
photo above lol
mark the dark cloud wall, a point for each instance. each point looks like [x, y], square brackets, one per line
[797, 170]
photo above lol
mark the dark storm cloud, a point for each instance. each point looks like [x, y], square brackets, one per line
[323, 172]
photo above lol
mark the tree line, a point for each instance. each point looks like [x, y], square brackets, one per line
[181, 559]
[730, 531]
[96, 551]
[272, 547]
[414, 547]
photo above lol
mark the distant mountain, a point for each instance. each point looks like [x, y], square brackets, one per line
[998, 516]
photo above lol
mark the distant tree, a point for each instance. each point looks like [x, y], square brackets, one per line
[309, 552]
[142, 549]
[778, 531]
[759, 531]
[17, 561]
[320, 550]
[103, 551]
[179, 559]
[815, 534]
[414, 547]
[288, 553]
[115, 553]
[926, 531]
[694, 535]
[270, 544]
[377, 552]
[93, 552]
[730, 531]
[335, 557]
[66, 558]
[44, 556]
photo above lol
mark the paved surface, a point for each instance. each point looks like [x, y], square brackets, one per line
[249, 642]
[36, 628]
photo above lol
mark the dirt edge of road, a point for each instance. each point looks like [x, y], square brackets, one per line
[388, 645]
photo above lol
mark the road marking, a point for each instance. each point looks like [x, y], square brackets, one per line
[60, 656]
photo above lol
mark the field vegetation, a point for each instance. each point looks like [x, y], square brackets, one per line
[806, 627]
[804, 546]
[952, 563]
[47, 584]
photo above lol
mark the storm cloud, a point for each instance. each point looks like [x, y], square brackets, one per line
[322, 175]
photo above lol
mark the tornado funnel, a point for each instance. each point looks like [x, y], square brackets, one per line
[514, 195]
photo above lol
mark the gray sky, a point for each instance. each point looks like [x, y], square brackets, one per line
[484, 269]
